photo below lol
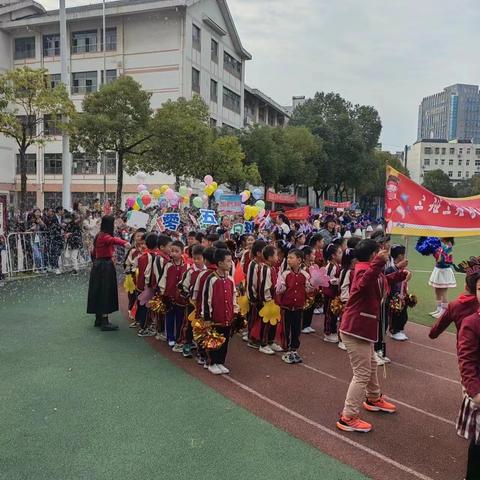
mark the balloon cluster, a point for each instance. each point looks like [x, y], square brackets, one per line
[164, 196]
[257, 210]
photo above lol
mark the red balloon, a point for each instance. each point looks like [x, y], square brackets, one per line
[146, 199]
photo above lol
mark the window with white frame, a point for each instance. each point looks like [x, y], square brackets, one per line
[231, 100]
[24, 48]
[84, 82]
[84, 42]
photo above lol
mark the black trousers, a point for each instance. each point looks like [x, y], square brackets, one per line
[308, 316]
[293, 328]
[381, 346]
[399, 320]
[141, 315]
[473, 467]
[218, 356]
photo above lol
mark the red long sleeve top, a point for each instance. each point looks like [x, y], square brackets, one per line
[219, 299]
[172, 276]
[105, 245]
[469, 353]
[292, 292]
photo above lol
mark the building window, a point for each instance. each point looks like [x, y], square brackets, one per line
[467, 174]
[450, 173]
[196, 38]
[110, 38]
[213, 91]
[31, 200]
[213, 122]
[426, 162]
[110, 163]
[452, 151]
[459, 174]
[52, 199]
[24, 48]
[196, 80]
[460, 151]
[84, 42]
[31, 161]
[437, 150]
[111, 76]
[477, 163]
[427, 150]
[450, 162]
[84, 82]
[231, 100]
[84, 164]
[468, 151]
[467, 163]
[477, 151]
[444, 151]
[55, 79]
[443, 161]
[214, 48]
[51, 45]
[90, 198]
[50, 128]
[29, 123]
[436, 161]
[459, 162]
[232, 65]
[52, 163]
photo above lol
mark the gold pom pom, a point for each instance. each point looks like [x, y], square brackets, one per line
[337, 306]
[158, 305]
[397, 304]
[129, 284]
[411, 300]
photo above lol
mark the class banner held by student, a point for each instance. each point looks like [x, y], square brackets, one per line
[411, 209]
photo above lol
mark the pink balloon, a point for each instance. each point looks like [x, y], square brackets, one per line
[169, 194]
[244, 197]
[208, 179]
[204, 198]
[130, 202]
[141, 188]
[190, 192]
[261, 213]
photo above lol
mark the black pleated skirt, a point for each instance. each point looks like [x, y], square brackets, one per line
[102, 288]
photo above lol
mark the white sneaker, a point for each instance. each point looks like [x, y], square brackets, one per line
[171, 343]
[245, 336]
[439, 313]
[312, 330]
[342, 346]
[404, 334]
[58, 271]
[177, 348]
[160, 336]
[380, 361]
[332, 338]
[306, 330]
[383, 357]
[224, 369]
[134, 324]
[276, 348]
[318, 311]
[215, 369]
[266, 350]
[432, 314]
[399, 336]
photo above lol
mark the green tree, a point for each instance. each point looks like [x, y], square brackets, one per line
[26, 96]
[117, 119]
[438, 182]
[468, 188]
[181, 138]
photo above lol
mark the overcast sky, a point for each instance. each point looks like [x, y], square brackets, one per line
[385, 53]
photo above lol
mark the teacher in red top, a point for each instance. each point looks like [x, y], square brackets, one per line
[102, 288]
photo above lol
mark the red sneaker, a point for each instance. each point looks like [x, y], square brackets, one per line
[380, 405]
[353, 425]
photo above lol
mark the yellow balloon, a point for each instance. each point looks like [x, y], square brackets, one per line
[186, 200]
[214, 185]
[247, 193]
[209, 189]
[163, 189]
[254, 211]
[136, 206]
[156, 193]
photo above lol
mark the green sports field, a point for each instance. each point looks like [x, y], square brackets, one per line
[422, 268]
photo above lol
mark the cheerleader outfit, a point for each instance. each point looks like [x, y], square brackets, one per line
[442, 275]
[130, 266]
[468, 422]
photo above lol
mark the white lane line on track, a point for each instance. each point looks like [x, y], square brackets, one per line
[407, 405]
[329, 431]
[432, 348]
[434, 375]
[414, 324]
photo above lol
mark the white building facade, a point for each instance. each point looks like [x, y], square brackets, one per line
[173, 48]
[460, 160]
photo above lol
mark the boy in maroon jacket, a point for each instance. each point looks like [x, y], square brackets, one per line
[219, 306]
[168, 286]
[293, 285]
[359, 332]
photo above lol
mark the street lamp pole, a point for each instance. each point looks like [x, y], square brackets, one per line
[66, 155]
[104, 82]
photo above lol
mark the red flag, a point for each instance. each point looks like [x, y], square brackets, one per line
[239, 275]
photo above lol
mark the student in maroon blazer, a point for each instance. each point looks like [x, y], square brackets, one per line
[359, 332]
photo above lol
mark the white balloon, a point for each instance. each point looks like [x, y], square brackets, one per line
[141, 177]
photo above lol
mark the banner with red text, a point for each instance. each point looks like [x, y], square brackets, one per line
[411, 209]
[284, 198]
[328, 203]
[301, 213]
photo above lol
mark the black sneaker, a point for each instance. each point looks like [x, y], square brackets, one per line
[297, 358]
[187, 351]
[288, 358]
[253, 345]
[109, 327]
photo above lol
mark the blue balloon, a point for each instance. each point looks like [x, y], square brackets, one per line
[257, 194]
[218, 193]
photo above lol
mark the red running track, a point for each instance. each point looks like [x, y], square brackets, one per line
[418, 442]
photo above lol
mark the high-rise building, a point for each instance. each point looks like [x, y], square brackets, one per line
[453, 114]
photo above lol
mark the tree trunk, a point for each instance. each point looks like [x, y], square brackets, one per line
[177, 183]
[23, 180]
[118, 196]
[317, 198]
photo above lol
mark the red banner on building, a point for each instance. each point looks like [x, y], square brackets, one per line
[284, 198]
[328, 203]
[411, 209]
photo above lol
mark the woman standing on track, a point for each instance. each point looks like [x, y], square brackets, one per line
[102, 288]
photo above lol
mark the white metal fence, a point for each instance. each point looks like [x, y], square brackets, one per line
[31, 252]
